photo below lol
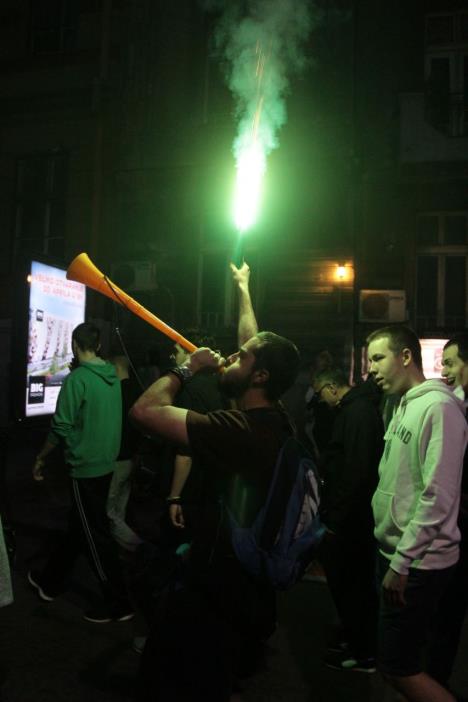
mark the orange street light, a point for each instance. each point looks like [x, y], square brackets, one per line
[340, 272]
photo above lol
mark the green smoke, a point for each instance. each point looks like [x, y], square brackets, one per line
[280, 28]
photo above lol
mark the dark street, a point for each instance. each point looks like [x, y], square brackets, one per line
[53, 655]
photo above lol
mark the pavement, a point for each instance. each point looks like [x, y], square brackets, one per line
[48, 653]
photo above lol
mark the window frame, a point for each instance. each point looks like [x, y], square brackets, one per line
[63, 28]
[456, 51]
[441, 251]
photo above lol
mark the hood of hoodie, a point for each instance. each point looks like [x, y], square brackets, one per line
[426, 387]
[102, 369]
[460, 393]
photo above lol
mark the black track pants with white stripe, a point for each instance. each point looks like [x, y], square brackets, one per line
[88, 533]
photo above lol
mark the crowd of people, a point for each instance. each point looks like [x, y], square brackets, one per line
[394, 505]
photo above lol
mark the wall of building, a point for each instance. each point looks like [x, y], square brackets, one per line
[134, 97]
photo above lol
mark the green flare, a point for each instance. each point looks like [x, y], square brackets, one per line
[250, 170]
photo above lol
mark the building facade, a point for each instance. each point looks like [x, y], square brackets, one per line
[116, 131]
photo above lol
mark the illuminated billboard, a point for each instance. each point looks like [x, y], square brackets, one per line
[431, 350]
[56, 307]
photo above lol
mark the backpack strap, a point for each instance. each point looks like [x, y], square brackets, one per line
[282, 482]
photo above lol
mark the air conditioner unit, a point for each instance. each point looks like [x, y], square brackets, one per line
[134, 275]
[382, 306]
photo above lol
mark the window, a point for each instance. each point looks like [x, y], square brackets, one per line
[446, 72]
[442, 270]
[444, 28]
[442, 228]
[40, 205]
[54, 25]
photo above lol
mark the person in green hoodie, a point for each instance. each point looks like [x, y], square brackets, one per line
[415, 509]
[87, 422]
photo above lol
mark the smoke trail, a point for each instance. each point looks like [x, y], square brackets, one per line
[262, 45]
[270, 31]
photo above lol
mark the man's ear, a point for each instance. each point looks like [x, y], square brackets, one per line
[407, 356]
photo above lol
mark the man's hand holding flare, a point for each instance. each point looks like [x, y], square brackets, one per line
[247, 326]
[241, 276]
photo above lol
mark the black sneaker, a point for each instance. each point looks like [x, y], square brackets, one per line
[33, 580]
[122, 614]
[98, 615]
[345, 661]
[337, 647]
[102, 614]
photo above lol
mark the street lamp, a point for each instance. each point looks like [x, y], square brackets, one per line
[340, 272]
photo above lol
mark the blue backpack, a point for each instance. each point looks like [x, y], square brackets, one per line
[280, 543]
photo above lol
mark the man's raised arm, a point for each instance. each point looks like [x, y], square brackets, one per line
[153, 411]
[247, 327]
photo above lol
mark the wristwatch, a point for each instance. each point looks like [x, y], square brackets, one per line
[184, 373]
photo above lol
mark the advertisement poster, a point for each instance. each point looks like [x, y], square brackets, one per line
[56, 307]
[431, 350]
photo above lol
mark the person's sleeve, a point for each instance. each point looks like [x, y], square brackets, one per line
[68, 405]
[442, 445]
[363, 446]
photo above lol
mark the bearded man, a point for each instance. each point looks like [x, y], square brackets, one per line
[212, 627]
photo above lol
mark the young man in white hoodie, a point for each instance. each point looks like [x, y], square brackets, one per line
[415, 508]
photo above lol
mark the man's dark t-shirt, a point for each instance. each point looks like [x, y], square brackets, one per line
[238, 449]
[210, 630]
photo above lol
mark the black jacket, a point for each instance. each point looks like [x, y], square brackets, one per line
[349, 464]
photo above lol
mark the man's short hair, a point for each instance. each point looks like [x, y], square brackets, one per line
[461, 340]
[336, 375]
[280, 358]
[399, 338]
[87, 337]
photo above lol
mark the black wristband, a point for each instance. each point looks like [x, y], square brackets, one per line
[173, 500]
[184, 373]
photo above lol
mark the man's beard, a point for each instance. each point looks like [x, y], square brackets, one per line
[234, 387]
